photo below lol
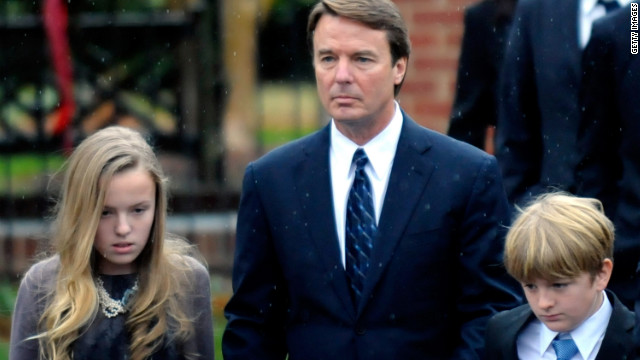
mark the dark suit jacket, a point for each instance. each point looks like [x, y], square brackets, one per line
[476, 100]
[503, 329]
[437, 276]
[538, 115]
[609, 167]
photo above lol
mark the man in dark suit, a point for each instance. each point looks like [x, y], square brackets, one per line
[609, 150]
[538, 115]
[404, 263]
[475, 110]
[564, 281]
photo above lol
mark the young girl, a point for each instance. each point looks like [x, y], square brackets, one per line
[118, 286]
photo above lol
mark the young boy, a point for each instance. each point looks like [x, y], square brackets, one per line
[560, 249]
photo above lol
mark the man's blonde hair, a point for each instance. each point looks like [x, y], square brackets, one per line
[558, 236]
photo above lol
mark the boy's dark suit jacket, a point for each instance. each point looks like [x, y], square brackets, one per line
[538, 114]
[503, 330]
[609, 147]
[436, 275]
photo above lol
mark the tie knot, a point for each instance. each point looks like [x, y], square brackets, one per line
[609, 4]
[360, 159]
[565, 349]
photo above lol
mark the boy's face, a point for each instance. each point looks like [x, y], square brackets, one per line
[562, 305]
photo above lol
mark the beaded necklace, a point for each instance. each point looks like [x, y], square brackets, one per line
[111, 307]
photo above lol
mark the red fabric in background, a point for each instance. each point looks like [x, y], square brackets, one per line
[56, 21]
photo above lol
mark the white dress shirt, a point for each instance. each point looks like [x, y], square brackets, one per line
[380, 150]
[590, 11]
[534, 341]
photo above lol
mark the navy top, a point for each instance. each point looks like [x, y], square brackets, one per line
[107, 338]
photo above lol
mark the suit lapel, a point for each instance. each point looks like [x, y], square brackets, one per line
[313, 177]
[522, 316]
[619, 333]
[409, 175]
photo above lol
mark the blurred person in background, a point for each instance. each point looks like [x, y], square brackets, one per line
[538, 112]
[475, 109]
[608, 149]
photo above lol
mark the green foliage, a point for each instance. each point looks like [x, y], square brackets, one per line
[219, 323]
[4, 350]
[8, 294]
[283, 11]
[27, 173]
[272, 138]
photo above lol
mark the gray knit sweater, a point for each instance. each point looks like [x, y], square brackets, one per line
[38, 282]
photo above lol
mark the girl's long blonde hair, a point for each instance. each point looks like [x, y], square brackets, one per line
[156, 310]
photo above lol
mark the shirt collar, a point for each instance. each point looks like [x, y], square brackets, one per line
[584, 335]
[380, 150]
[587, 6]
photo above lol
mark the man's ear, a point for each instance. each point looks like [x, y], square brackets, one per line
[401, 70]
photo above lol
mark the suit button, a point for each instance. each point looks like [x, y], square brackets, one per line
[360, 331]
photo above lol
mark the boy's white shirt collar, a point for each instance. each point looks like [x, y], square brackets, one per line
[584, 335]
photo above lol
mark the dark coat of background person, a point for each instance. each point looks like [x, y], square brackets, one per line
[475, 109]
[538, 115]
[437, 276]
[503, 329]
[609, 166]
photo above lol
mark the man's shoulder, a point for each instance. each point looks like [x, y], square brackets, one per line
[289, 152]
[442, 144]
[545, 10]
[482, 11]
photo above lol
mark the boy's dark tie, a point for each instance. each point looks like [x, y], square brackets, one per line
[360, 227]
[565, 349]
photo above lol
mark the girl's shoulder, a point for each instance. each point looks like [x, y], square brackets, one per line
[188, 263]
[44, 269]
[41, 276]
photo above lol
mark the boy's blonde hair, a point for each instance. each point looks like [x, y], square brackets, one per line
[558, 236]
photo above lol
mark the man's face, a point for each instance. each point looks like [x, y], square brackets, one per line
[354, 73]
[562, 305]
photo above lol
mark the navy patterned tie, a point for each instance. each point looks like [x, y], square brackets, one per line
[361, 227]
[565, 349]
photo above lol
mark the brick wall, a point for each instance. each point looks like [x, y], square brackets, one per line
[436, 28]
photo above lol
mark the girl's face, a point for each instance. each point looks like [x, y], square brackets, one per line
[126, 221]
